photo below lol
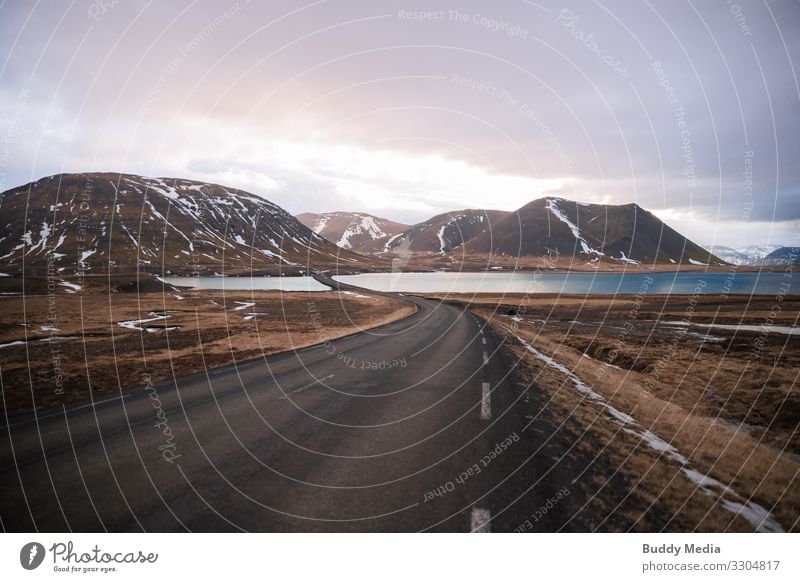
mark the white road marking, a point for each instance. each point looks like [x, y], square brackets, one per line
[480, 520]
[486, 403]
[483, 339]
[485, 358]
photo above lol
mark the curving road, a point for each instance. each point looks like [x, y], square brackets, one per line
[411, 426]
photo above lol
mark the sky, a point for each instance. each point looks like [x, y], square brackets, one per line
[410, 109]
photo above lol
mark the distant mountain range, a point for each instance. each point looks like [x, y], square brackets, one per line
[585, 233]
[120, 222]
[749, 255]
[107, 222]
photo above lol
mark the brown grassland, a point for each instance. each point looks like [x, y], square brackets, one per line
[91, 341]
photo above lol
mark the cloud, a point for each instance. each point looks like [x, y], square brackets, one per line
[353, 106]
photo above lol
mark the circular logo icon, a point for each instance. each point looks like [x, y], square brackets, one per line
[31, 555]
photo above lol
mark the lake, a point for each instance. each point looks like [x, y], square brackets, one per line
[249, 283]
[678, 283]
[686, 283]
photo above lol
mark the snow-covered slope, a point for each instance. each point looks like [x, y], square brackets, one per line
[99, 222]
[446, 232]
[748, 255]
[355, 231]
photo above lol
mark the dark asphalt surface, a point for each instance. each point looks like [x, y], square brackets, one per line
[355, 435]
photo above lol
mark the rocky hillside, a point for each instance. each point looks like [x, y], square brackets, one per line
[576, 233]
[95, 223]
[354, 231]
[783, 256]
[588, 233]
[446, 232]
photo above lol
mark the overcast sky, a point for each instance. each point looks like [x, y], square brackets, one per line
[409, 109]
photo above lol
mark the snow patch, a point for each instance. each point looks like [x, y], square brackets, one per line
[552, 206]
[624, 258]
[758, 516]
[71, 287]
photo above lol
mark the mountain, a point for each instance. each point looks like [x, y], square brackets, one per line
[749, 255]
[783, 256]
[548, 227]
[355, 231]
[446, 232]
[104, 222]
[588, 232]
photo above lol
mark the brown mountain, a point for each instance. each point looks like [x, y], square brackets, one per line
[619, 233]
[104, 221]
[355, 231]
[446, 232]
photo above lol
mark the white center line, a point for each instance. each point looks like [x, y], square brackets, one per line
[485, 358]
[480, 520]
[483, 339]
[486, 403]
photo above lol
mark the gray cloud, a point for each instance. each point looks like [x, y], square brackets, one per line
[656, 102]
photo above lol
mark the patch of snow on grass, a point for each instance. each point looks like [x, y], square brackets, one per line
[71, 287]
[758, 516]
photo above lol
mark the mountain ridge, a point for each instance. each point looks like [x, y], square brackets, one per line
[112, 222]
[357, 231]
[593, 233]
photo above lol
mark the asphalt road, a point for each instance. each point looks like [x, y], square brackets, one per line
[413, 426]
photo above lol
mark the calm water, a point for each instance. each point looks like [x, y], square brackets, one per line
[249, 283]
[578, 283]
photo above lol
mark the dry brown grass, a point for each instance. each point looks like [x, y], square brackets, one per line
[731, 411]
[208, 331]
